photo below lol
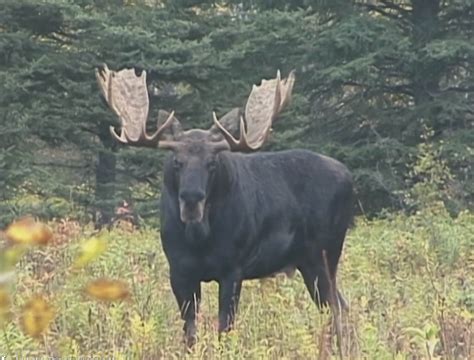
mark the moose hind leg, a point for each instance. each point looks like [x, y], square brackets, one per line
[330, 269]
[319, 275]
[316, 282]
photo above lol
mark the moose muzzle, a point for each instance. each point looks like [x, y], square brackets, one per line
[191, 206]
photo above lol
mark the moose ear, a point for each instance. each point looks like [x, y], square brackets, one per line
[231, 122]
[173, 131]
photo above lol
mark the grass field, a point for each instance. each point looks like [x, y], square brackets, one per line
[409, 282]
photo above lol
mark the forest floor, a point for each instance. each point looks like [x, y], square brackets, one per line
[408, 281]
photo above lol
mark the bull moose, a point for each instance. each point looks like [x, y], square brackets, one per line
[229, 214]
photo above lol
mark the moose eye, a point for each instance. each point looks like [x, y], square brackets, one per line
[177, 164]
[211, 164]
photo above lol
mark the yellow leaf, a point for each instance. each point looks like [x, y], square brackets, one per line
[28, 231]
[91, 250]
[36, 316]
[9, 256]
[109, 290]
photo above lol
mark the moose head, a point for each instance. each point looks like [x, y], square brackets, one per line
[195, 151]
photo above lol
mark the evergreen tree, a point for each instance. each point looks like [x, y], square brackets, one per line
[372, 77]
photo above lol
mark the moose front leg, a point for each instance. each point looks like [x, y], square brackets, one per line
[188, 296]
[229, 294]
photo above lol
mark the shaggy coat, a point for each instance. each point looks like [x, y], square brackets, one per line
[264, 212]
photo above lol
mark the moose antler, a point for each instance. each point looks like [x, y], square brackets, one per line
[127, 96]
[263, 105]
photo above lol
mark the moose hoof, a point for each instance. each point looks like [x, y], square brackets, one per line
[190, 337]
[224, 330]
[190, 341]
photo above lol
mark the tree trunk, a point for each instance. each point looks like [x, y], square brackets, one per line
[105, 176]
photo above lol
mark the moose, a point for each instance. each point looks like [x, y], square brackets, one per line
[229, 213]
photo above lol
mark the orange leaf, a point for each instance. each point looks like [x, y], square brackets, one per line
[29, 231]
[5, 305]
[108, 290]
[36, 316]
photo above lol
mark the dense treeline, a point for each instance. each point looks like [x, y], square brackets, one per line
[384, 86]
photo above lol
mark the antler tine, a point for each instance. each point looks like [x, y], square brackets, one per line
[286, 90]
[265, 102]
[127, 96]
[103, 79]
[233, 142]
[145, 139]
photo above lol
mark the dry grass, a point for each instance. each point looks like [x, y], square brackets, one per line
[408, 281]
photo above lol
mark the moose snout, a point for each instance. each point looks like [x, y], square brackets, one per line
[191, 205]
[192, 197]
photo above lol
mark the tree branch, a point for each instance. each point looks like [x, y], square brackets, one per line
[460, 89]
[382, 12]
[91, 131]
[392, 6]
[69, 166]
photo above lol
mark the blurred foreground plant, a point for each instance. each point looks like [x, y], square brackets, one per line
[36, 316]
[37, 313]
[28, 231]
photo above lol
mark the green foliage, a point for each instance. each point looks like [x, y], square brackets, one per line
[44, 208]
[370, 77]
[431, 180]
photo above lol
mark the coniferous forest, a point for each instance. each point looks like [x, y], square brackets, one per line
[385, 87]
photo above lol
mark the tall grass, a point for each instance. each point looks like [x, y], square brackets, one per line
[408, 280]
